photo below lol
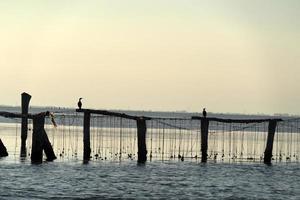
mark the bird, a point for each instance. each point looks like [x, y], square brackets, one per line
[204, 113]
[79, 103]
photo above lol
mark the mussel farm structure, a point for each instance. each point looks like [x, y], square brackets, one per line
[90, 134]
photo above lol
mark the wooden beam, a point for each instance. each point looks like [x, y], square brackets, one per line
[109, 113]
[11, 115]
[245, 121]
[15, 115]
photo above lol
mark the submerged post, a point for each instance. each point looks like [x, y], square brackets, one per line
[86, 137]
[141, 136]
[204, 138]
[25, 103]
[270, 139]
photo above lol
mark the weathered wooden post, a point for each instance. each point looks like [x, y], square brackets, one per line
[141, 136]
[25, 103]
[86, 137]
[37, 139]
[48, 147]
[3, 151]
[40, 140]
[270, 139]
[204, 138]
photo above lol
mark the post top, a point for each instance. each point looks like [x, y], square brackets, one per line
[25, 94]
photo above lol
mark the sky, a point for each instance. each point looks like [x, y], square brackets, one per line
[232, 56]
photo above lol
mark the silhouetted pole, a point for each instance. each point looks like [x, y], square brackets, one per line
[141, 136]
[37, 139]
[40, 141]
[86, 137]
[48, 147]
[270, 139]
[25, 104]
[204, 138]
[3, 151]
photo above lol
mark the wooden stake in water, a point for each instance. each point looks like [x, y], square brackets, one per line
[204, 138]
[25, 104]
[141, 134]
[40, 140]
[270, 139]
[86, 137]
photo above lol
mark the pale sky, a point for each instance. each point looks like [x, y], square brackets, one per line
[228, 56]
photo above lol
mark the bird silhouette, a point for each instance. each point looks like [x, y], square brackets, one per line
[204, 113]
[79, 103]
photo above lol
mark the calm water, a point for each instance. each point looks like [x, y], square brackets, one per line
[68, 178]
[157, 180]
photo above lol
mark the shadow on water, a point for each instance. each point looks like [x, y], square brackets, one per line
[141, 164]
[23, 159]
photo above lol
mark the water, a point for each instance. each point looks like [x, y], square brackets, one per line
[68, 178]
[154, 180]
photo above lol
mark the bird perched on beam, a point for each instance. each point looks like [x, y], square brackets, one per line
[79, 103]
[204, 113]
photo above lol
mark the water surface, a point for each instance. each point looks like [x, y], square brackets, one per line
[163, 180]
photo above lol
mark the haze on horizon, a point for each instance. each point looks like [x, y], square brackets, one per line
[228, 56]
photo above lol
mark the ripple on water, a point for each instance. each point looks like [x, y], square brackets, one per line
[170, 180]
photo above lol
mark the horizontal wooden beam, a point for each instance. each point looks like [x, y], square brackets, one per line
[19, 115]
[245, 121]
[170, 118]
[109, 113]
[123, 115]
[14, 115]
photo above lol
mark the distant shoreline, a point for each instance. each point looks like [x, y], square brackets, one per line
[183, 114]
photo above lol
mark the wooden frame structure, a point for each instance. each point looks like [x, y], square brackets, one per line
[41, 142]
[204, 133]
[141, 132]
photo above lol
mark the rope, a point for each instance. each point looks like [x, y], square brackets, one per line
[171, 126]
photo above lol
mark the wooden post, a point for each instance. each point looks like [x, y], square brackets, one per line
[37, 139]
[48, 147]
[3, 151]
[204, 138]
[141, 136]
[40, 141]
[25, 103]
[86, 137]
[270, 139]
